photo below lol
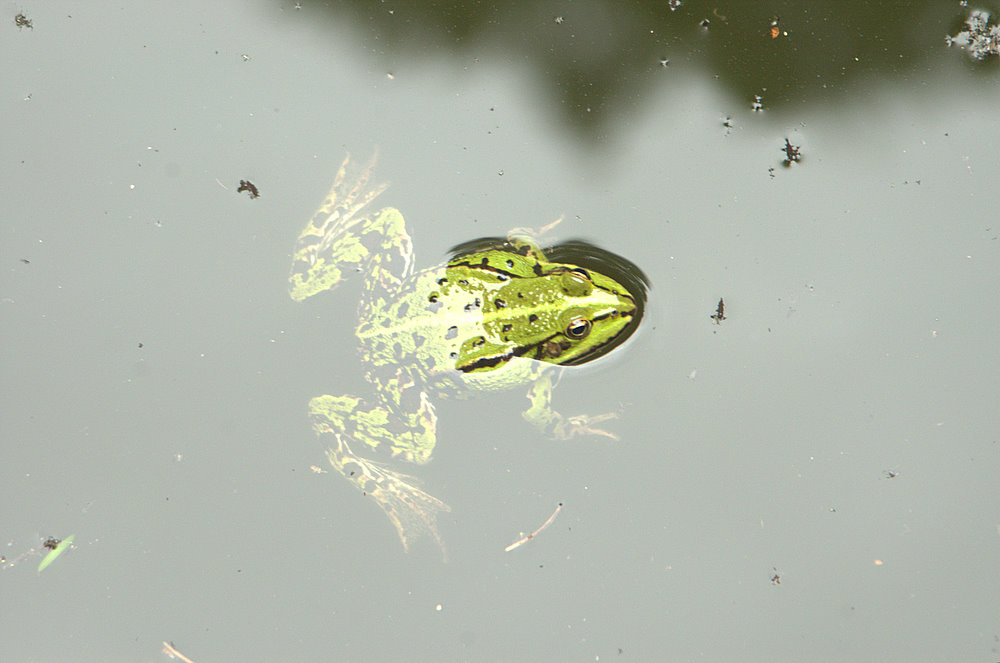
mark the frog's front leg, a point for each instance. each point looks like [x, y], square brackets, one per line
[340, 419]
[541, 415]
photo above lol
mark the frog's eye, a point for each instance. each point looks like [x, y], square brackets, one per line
[576, 282]
[578, 328]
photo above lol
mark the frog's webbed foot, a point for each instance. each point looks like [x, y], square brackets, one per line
[534, 233]
[543, 417]
[410, 509]
[583, 425]
[527, 241]
[563, 428]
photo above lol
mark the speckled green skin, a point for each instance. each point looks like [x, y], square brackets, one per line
[486, 320]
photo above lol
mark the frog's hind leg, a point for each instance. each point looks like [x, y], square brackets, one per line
[343, 237]
[411, 510]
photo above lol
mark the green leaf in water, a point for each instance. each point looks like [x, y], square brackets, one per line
[55, 552]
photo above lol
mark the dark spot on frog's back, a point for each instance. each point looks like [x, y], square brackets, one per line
[402, 310]
[451, 334]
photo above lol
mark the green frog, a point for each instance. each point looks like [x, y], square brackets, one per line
[498, 314]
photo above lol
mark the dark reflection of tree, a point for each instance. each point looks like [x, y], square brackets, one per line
[598, 58]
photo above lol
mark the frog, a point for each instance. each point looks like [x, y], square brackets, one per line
[498, 314]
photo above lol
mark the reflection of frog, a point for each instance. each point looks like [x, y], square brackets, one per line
[477, 322]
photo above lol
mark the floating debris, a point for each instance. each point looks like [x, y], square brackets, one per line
[56, 548]
[22, 21]
[529, 537]
[981, 37]
[793, 153]
[171, 651]
[720, 312]
[247, 185]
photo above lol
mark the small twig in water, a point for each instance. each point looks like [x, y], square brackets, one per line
[172, 652]
[529, 537]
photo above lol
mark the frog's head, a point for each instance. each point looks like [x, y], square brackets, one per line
[580, 315]
[561, 312]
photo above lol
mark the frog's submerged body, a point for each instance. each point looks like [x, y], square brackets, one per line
[490, 318]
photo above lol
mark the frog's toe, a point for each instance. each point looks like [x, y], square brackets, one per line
[583, 425]
[410, 509]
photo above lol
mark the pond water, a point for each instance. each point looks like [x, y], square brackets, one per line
[813, 477]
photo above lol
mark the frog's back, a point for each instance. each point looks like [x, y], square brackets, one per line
[415, 326]
[424, 329]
